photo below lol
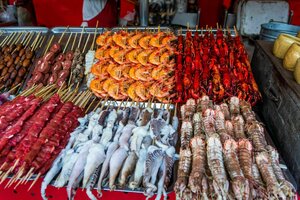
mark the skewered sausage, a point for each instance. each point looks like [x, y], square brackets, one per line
[63, 74]
[44, 67]
[6, 76]
[13, 74]
[37, 77]
[4, 71]
[17, 59]
[56, 67]
[10, 62]
[55, 48]
[52, 78]
[2, 66]
[29, 55]
[69, 55]
[10, 69]
[60, 57]
[26, 63]
[22, 52]
[21, 72]
[67, 64]
[49, 56]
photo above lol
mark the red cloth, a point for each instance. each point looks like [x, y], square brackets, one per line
[125, 8]
[61, 194]
[69, 13]
[295, 7]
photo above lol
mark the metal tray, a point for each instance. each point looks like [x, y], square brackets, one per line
[24, 29]
[183, 31]
[5, 31]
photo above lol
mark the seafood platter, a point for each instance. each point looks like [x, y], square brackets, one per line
[139, 110]
[19, 47]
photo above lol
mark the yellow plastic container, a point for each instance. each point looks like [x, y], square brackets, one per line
[291, 57]
[283, 43]
[297, 71]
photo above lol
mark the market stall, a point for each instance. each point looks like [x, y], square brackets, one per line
[138, 110]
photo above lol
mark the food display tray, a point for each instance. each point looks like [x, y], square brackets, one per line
[43, 31]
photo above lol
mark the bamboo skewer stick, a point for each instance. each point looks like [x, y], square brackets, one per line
[88, 108]
[94, 39]
[19, 37]
[37, 40]
[5, 39]
[87, 40]
[35, 180]
[62, 35]
[11, 38]
[42, 42]
[72, 48]
[9, 170]
[25, 37]
[28, 42]
[67, 44]
[48, 45]
[98, 104]
[79, 43]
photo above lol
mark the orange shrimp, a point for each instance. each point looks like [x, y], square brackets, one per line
[107, 83]
[143, 56]
[114, 92]
[131, 92]
[166, 41]
[100, 68]
[97, 87]
[120, 57]
[142, 90]
[144, 41]
[120, 39]
[102, 38]
[113, 50]
[102, 53]
[132, 72]
[132, 55]
[166, 57]
[124, 85]
[143, 73]
[154, 57]
[133, 41]
[155, 41]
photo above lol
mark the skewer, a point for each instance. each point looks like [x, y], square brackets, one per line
[37, 177]
[48, 45]
[88, 108]
[36, 40]
[5, 39]
[74, 42]
[87, 40]
[235, 31]
[14, 39]
[29, 39]
[102, 106]
[19, 37]
[42, 42]
[98, 104]
[94, 39]
[79, 43]
[10, 39]
[62, 35]
[9, 170]
[25, 37]
[15, 87]
[67, 44]
[90, 96]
